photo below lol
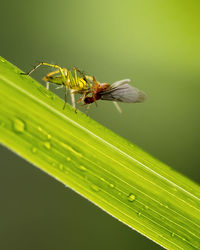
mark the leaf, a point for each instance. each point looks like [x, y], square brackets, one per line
[114, 174]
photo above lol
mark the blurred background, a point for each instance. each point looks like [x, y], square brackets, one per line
[156, 44]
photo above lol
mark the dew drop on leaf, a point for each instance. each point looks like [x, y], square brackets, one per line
[111, 185]
[47, 145]
[34, 150]
[82, 168]
[18, 125]
[131, 197]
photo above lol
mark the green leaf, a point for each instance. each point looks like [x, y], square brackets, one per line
[116, 175]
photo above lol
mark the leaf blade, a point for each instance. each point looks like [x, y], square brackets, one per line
[117, 176]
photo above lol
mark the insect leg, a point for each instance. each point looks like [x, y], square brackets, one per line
[80, 72]
[86, 110]
[70, 80]
[73, 99]
[47, 85]
[96, 83]
[52, 73]
[66, 90]
[49, 65]
[48, 75]
[61, 70]
[80, 106]
[117, 107]
[86, 78]
[75, 78]
[83, 97]
[32, 70]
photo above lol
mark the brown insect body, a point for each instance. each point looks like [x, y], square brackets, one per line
[96, 90]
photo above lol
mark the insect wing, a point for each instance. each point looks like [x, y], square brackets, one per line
[119, 83]
[122, 92]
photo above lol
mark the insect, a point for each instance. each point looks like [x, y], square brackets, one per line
[119, 91]
[63, 77]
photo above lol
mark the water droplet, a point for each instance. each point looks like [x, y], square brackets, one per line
[82, 168]
[18, 126]
[34, 150]
[47, 145]
[95, 188]
[2, 60]
[111, 185]
[146, 207]
[173, 234]
[68, 159]
[131, 197]
[139, 214]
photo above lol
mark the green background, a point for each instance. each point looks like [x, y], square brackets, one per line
[156, 44]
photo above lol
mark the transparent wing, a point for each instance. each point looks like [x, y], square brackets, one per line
[123, 92]
[119, 83]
